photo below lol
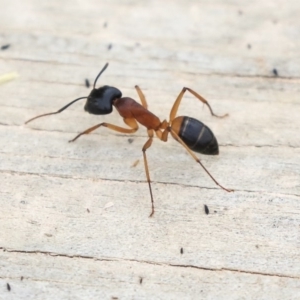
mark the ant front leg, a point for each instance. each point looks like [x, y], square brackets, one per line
[179, 98]
[130, 122]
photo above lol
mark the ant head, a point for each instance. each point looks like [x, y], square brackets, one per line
[100, 101]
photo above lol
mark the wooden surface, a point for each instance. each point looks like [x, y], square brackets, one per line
[74, 217]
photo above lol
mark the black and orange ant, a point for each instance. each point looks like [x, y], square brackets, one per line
[189, 132]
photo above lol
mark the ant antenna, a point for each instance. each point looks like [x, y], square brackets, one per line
[103, 69]
[66, 106]
[57, 112]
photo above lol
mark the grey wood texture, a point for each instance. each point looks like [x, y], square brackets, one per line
[74, 216]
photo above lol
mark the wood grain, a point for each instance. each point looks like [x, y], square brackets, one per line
[74, 216]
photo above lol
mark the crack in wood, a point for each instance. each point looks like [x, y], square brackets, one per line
[238, 75]
[147, 262]
[135, 181]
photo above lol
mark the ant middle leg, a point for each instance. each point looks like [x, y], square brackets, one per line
[145, 147]
[142, 96]
[179, 98]
[130, 122]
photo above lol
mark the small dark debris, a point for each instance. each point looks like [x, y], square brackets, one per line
[22, 278]
[105, 24]
[114, 298]
[256, 246]
[130, 140]
[275, 72]
[109, 46]
[240, 12]
[48, 234]
[8, 287]
[87, 83]
[249, 46]
[88, 210]
[4, 47]
[215, 211]
[141, 280]
[181, 250]
[206, 209]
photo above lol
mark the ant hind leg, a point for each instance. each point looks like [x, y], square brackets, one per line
[177, 102]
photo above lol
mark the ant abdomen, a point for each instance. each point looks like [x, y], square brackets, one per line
[196, 135]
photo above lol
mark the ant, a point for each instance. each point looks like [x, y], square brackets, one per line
[192, 134]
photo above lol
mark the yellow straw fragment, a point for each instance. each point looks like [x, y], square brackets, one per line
[8, 77]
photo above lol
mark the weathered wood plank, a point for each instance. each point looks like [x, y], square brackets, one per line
[74, 217]
[88, 277]
[253, 231]
[97, 156]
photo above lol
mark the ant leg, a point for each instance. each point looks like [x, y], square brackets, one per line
[179, 98]
[142, 96]
[146, 146]
[164, 136]
[163, 125]
[177, 138]
[130, 122]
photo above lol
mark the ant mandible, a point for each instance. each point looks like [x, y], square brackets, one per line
[189, 132]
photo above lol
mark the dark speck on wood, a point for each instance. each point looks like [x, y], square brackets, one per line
[275, 72]
[206, 209]
[4, 47]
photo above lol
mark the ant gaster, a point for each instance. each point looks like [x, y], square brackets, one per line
[190, 133]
